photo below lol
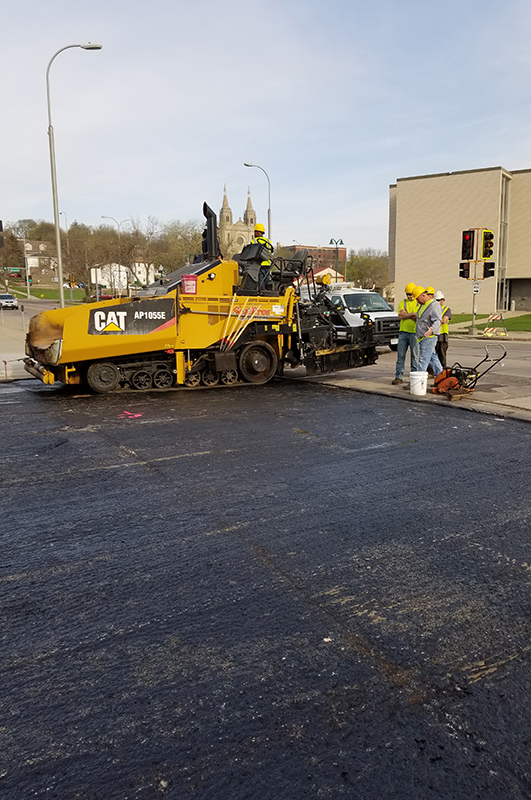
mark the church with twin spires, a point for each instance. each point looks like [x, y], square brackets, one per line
[233, 236]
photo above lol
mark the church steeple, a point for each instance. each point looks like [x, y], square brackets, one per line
[225, 214]
[249, 216]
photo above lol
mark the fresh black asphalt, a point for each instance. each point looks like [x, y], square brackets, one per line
[287, 591]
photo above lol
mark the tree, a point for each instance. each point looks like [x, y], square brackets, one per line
[368, 268]
[12, 254]
[81, 253]
[35, 230]
[84, 247]
[175, 244]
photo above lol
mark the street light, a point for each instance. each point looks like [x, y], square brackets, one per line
[268, 198]
[119, 226]
[88, 46]
[337, 242]
[63, 213]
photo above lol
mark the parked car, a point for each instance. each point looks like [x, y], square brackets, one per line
[8, 301]
[103, 296]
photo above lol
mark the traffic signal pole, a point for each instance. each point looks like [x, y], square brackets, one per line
[477, 247]
[472, 330]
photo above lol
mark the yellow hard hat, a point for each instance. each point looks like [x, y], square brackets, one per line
[430, 290]
[417, 291]
[410, 288]
[259, 227]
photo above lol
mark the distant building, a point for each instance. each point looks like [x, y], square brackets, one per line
[118, 276]
[40, 261]
[336, 276]
[324, 259]
[233, 236]
[427, 215]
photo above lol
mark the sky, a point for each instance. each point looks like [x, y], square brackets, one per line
[334, 99]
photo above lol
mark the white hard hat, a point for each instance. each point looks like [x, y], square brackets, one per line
[439, 295]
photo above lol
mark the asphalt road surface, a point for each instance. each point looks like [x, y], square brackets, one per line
[284, 592]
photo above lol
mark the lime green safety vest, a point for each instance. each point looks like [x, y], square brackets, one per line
[266, 243]
[410, 307]
[444, 325]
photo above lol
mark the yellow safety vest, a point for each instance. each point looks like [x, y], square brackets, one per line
[264, 241]
[444, 325]
[410, 307]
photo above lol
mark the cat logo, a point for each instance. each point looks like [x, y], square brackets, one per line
[110, 321]
[137, 318]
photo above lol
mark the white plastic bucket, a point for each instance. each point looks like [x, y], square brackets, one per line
[418, 382]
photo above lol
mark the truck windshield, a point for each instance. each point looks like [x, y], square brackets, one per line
[365, 302]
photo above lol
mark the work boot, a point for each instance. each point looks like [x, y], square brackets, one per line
[396, 381]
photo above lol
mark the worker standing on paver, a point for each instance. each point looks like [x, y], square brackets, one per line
[428, 327]
[442, 342]
[260, 238]
[407, 338]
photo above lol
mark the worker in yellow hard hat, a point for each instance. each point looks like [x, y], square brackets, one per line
[442, 342]
[260, 238]
[428, 327]
[407, 338]
[430, 291]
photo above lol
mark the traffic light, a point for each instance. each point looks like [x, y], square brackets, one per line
[488, 269]
[464, 271]
[487, 245]
[467, 247]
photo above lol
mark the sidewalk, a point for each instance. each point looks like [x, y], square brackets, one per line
[497, 393]
[13, 326]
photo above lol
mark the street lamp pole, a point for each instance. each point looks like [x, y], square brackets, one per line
[63, 213]
[337, 242]
[268, 198]
[119, 227]
[88, 46]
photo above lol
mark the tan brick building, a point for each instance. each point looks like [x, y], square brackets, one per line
[324, 258]
[427, 215]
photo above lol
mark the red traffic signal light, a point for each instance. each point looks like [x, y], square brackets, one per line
[487, 244]
[464, 271]
[467, 246]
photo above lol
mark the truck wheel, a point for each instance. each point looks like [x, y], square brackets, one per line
[258, 362]
[103, 377]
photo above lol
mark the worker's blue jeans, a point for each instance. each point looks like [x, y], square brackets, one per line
[406, 340]
[428, 356]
